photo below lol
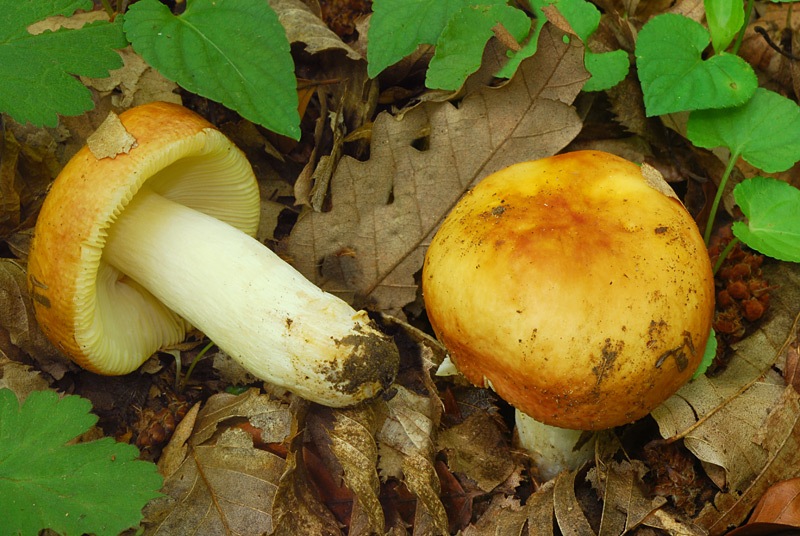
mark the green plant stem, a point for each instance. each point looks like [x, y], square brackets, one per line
[195, 361]
[107, 7]
[721, 188]
[747, 12]
[724, 253]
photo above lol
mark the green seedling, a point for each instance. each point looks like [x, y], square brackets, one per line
[48, 482]
[765, 132]
[459, 30]
[675, 77]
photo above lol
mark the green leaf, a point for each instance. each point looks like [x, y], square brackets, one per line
[607, 69]
[36, 71]
[725, 18]
[583, 17]
[397, 27]
[530, 43]
[765, 131]
[674, 76]
[708, 356]
[97, 487]
[772, 208]
[459, 49]
[231, 51]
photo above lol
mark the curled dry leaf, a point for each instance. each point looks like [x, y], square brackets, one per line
[303, 26]
[778, 510]
[353, 443]
[386, 209]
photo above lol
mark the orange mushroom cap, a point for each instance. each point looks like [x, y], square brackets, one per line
[574, 287]
[181, 156]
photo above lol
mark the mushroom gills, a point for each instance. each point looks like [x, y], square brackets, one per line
[253, 305]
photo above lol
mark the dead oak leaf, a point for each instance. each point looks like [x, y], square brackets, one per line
[386, 209]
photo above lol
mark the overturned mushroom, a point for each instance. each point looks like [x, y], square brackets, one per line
[131, 251]
[578, 289]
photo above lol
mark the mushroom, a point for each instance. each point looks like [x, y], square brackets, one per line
[578, 288]
[130, 252]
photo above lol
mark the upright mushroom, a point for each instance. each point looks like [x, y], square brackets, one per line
[131, 251]
[578, 288]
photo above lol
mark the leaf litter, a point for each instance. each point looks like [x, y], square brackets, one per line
[433, 458]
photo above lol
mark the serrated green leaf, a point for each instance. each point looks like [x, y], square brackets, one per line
[607, 69]
[36, 71]
[772, 208]
[97, 487]
[765, 131]
[725, 18]
[398, 27]
[676, 78]
[459, 49]
[231, 51]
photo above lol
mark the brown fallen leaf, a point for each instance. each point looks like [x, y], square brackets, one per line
[19, 332]
[303, 26]
[504, 517]
[721, 418]
[778, 510]
[352, 440]
[110, 139]
[384, 210]
[297, 508]
[222, 488]
[478, 448]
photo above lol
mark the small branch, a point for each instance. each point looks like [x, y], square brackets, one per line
[505, 37]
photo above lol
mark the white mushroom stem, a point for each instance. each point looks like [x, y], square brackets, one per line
[252, 304]
[553, 449]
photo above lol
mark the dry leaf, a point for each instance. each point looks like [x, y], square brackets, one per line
[134, 83]
[408, 430]
[271, 417]
[176, 450]
[384, 210]
[20, 379]
[18, 328]
[504, 517]
[110, 139]
[478, 448]
[748, 419]
[569, 514]
[353, 443]
[422, 480]
[216, 481]
[540, 510]
[733, 405]
[625, 500]
[303, 26]
[224, 488]
[297, 509]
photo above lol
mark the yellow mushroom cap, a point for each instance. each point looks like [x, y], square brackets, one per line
[573, 287]
[103, 326]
